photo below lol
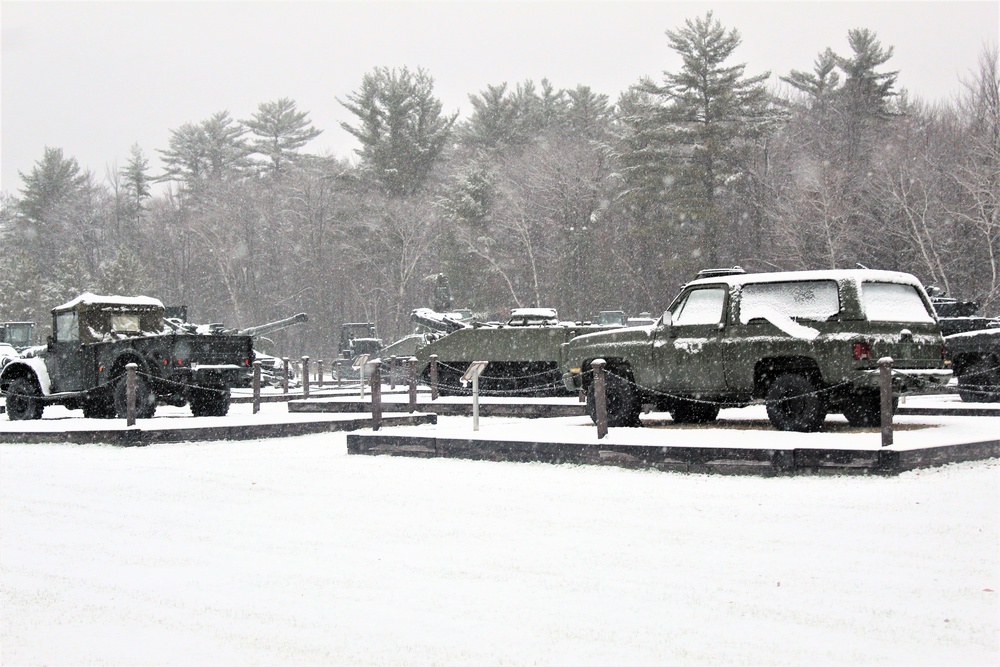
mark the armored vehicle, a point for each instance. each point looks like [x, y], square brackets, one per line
[18, 335]
[806, 343]
[523, 353]
[95, 337]
[972, 343]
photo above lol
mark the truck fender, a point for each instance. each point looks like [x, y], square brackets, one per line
[32, 367]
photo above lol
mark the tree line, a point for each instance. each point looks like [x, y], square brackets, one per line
[543, 196]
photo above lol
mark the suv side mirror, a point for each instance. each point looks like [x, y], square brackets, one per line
[668, 319]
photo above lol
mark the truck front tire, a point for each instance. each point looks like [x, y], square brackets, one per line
[622, 399]
[24, 400]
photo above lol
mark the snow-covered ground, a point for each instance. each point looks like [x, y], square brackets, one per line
[291, 552]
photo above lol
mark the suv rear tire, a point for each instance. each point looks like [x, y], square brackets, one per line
[794, 405]
[694, 412]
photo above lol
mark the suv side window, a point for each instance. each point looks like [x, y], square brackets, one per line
[815, 300]
[893, 302]
[701, 306]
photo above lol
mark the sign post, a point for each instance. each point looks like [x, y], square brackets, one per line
[360, 364]
[472, 373]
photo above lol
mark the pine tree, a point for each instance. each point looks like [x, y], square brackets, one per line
[280, 130]
[400, 126]
[693, 130]
[53, 182]
[136, 182]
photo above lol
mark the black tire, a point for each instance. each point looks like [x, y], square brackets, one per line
[23, 400]
[692, 412]
[864, 408]
[623, 403]
[210, 401]
[145, 399]
[99, 405]
[794, 405]
[980, 382]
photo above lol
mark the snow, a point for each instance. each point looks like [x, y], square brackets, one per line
[289, 551]
[854, 275]
[889, 302]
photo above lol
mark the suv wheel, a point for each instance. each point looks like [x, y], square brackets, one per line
[794, 405]
[694, 412]
[23, 400]
[980, 382]
[864, 408]
[623, 403]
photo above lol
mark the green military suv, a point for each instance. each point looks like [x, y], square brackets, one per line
[806, 343]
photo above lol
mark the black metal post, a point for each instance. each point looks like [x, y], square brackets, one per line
[376, 386]
[600, 397]
[885, 391]
[130, 370]
[434, 377]
[256, 386]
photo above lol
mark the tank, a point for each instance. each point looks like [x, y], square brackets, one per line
[523, 352]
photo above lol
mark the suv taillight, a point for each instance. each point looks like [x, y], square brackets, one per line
[862, 352]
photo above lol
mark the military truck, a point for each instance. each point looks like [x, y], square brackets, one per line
[975, 359]
[19, 335]
[972, 344]
[523, 353]
[94, 338]
[805, 343]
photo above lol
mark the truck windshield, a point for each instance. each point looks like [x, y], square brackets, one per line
[67, 327]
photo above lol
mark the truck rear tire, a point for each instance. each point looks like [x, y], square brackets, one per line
[23, 400]
[210, 401]
[623, 403]
[99, 405]
[145, 400]
[793, 404]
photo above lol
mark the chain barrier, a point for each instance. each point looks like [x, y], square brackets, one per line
[722, 404]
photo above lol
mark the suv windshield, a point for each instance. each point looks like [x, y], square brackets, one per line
[893, 302]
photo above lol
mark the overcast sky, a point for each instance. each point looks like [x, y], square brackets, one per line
[94, 78]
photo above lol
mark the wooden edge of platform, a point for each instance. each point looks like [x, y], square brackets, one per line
[138, 436]
[725, 460]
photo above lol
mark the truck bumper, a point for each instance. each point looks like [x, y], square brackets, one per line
[913, 380]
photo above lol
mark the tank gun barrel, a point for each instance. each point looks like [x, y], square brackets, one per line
[274, 326]
[437, 321]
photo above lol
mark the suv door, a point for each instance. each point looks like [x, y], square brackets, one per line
[687, 353]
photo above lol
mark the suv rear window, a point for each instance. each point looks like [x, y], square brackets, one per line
[815, 300]
[893, 302]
